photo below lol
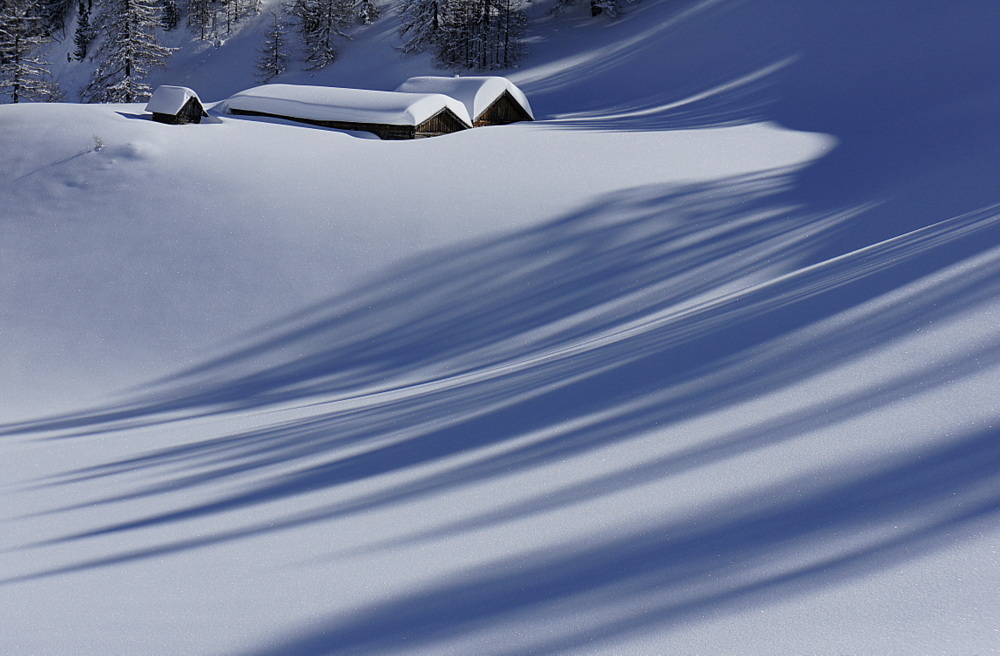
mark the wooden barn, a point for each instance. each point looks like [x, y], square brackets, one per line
[490, 100]
[387, 114]
[175, 105]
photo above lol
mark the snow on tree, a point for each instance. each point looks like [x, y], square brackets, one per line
[237, 10]
[610, 8]
[465, 34]
[201, 17]
[480, 34]
[607, 7]
[506, 46]
[53, 14]
[367, 12]
[273, 59]
[319, 23]
[127, 52]
[23, 75]
[85, 32]
[420, 25]
[458, 33]
[170, 15]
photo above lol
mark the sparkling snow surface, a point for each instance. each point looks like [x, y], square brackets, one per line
[705, 360]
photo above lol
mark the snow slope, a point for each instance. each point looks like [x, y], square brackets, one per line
[705, 361]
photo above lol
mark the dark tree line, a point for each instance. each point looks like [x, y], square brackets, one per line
[609, 8]
[120, 37]
[209, 19]
[321, 23]
[129, 46]
[465, 34]
[23, 30]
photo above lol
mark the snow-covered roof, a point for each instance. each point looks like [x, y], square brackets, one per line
[477, 93]
[350, 105]
[169, 99]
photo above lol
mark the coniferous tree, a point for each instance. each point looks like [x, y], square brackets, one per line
[367, 12]
[610, 8]
[273, 59]
[480, 34]
[170, 15]
[458, 33]
[420, 25]
[201, 17]
[509, 30]
[319, 23]
[465, 34]
[23, 75]
[127, 53]
[237, 10]
[607, 7]
[85, 32]
[53, 15]
[245, 8]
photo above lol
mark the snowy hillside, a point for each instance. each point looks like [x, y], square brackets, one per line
[705, 360]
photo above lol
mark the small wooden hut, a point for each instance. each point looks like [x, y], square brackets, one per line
[175, 105]
[490, 100]
[387, 114]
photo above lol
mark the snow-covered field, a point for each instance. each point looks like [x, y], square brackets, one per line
[707, 360]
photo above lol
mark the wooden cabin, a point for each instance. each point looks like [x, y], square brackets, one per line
[490, 100]
[175, 105]
[387, 114]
